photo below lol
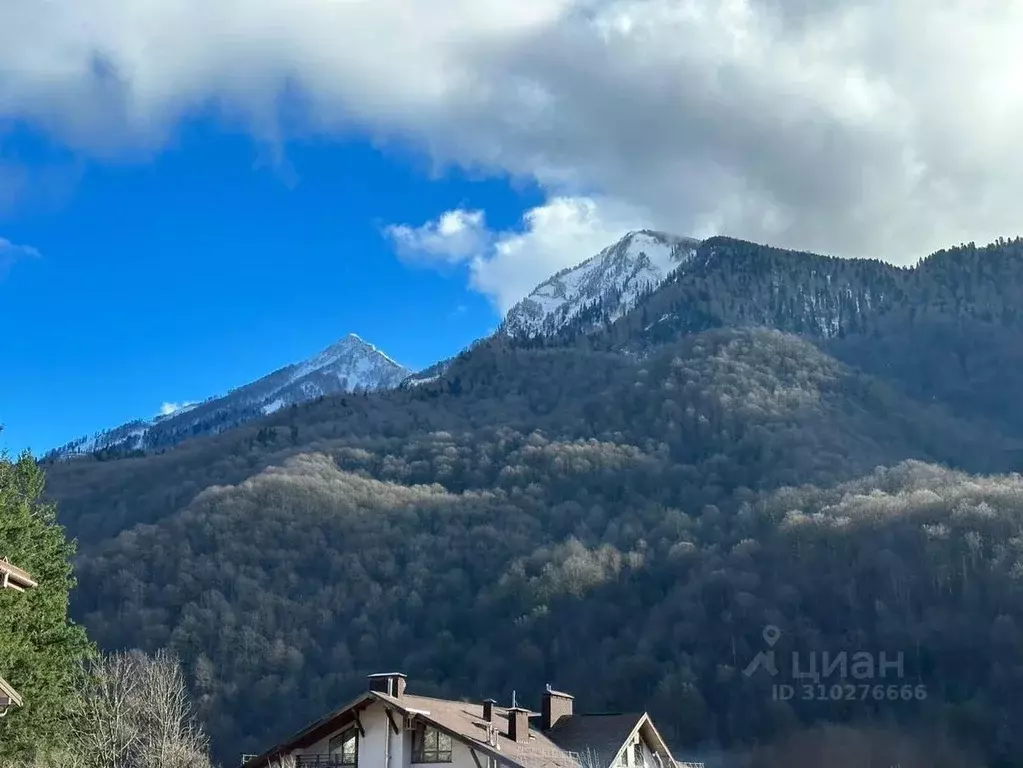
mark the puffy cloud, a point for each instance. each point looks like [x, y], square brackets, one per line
[11, 253]
[454, 237]
[860, 127]
[507, 265]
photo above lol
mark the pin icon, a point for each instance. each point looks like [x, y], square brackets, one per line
[771, 635]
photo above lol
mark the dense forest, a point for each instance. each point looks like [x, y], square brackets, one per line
[770, 439]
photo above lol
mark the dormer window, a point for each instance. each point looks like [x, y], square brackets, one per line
[430, 745]
[637, 754]
[344, 748]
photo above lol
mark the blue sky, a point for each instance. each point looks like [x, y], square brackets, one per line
[190, 194]
[180, 277]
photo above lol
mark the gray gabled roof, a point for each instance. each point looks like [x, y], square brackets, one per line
[594, 737]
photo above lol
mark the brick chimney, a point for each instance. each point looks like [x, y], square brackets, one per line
[390, 683]
[518, 724]
[556, 705]
[488, 710]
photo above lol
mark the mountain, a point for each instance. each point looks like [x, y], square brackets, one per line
[614, 279]
[764, 437]
[350, 365]
[947, 330]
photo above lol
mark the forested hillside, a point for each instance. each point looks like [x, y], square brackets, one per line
[949, 329]
[618, 513]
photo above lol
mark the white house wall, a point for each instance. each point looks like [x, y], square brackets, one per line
[627, 758]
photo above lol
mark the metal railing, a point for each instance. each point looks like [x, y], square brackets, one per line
[321, 761]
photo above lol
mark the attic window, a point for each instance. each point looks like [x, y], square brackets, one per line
[637, 754]
[344, 748]
[430, 746]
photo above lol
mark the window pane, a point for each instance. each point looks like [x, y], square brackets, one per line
[344, 748]
[431, 746]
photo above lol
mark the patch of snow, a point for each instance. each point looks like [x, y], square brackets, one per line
[615, 278]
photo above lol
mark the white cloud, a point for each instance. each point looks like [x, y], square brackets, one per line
[168, 408]
[862, 127]
[454, 237]
[11, 253]
[507, 265]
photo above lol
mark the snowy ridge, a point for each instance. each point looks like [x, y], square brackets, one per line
[350, 365]
[340, 356]
[615, 279]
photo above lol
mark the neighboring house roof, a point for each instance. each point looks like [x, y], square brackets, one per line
[604, 734]
[599, 738]
[460, 720]
[8, 695]
[13, 577]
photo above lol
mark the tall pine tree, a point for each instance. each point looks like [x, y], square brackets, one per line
[40, 648]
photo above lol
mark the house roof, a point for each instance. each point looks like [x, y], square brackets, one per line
[464, 721]
[7, 692]
[603, 735]
[460, 720]
[575, 741]
[599, 738]
[14, 577]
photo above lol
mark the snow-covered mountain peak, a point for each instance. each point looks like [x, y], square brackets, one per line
[349, 365]
[614, 280]
[348, 350]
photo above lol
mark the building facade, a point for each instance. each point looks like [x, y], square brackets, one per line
[388, 727]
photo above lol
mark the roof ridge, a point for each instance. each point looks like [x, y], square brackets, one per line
[608, 714]
[449, 701]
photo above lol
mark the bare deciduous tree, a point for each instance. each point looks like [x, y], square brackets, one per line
[169, 734]
[103, 731]
[132, 711]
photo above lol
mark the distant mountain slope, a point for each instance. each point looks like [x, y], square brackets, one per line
[733, 283]
[948, 329]
[350, 365]
[616, 278]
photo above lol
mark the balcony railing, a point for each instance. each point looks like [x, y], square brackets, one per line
[321, 761]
